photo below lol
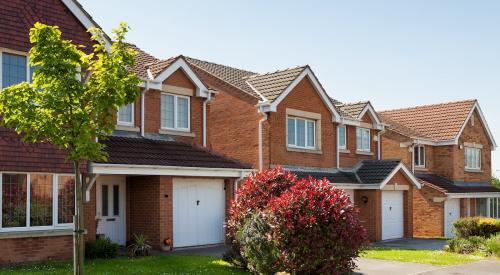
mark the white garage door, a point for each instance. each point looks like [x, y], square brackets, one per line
[451, 213]
[392, 215]
[198, 212]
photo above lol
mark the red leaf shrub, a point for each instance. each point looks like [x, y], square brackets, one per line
[280, 223]
[254, 194]
[315, 228]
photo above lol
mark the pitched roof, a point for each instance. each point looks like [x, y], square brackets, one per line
[233, 76]
[272, 85]
[350, 110]
[142, 151]
[367, 172]
[142, 60]
[446, 185]
[440, 122]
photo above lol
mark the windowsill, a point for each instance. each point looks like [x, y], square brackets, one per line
[364, 153]
[36, 233]
[120, 127]
[344, 151]
[176, 133]
[421, 169]
[473, 170]
[304, 150]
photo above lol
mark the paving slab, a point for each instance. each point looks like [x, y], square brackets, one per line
[486, 267]
[383, 267]
[414, 243]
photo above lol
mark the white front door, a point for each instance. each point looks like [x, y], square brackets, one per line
[392, 215]
[198, 212]
[110, 209]
[451, 213]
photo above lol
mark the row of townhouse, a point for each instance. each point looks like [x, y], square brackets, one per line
[178, 152]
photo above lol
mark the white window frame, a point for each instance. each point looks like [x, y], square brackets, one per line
[421, 157]
[294, 145]
[55, 201]
[358, 146]
[176, 128]
[342, 147]
[125, 123]
[14, 52]
[473, 150]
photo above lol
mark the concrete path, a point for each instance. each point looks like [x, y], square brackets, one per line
[382, 267]
[486, 267]
[414, 243]
[212, 250]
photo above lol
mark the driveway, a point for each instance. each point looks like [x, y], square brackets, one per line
[414, 243]
[383, 267]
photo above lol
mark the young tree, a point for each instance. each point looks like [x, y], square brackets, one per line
[72, 101]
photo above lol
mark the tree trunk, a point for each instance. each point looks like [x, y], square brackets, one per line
[78, 242]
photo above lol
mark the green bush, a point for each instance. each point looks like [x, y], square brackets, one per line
[476, 226]
[467, 245]
[101, 248]
[492, 245]
[257, 248]
[140, 246]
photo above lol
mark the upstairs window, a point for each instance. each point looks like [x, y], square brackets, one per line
[175, 112]
[14, 69]
[301, 133]
[126, 115]
[341, 130]
[419, 156]
[363, 139]
[472, 158]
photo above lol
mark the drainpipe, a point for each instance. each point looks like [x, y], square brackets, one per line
[379, 142]
[338, 149]
[143, 95]
[236, 182]
[261, 127]
[412, 161]
[205, 118]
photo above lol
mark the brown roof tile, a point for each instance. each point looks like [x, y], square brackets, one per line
[142, 60]
[440, 122]
[351, 110]
[271, 85]
[141, 151]
[233, 76]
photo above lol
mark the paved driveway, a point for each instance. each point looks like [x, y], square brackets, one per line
[383, 267]
[414, 243]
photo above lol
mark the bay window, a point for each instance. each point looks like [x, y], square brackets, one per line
[31, 201]
[363, 139]
[175, 112]
[126, 115]
[472, 158]
[301, 133]
[419, 156]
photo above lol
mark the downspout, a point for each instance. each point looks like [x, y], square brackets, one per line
[261, 127]
[236, 183]
[412, 157]
[205, 118]
[143, 95]
[379, 144]
[338, 150]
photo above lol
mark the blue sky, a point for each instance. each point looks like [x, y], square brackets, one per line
[394, 53]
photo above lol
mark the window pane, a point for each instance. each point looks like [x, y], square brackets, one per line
[40, 200]
[182, 112]
[104, 200]
[167, 111]
[301, 132]
[359, 146]
[291, 131]
[13, 69]
[116, 200]
[14, 192]
[66, 199]
[310, 134]
[125, 113]
[342, 137]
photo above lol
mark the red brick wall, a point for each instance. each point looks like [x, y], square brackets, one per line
[89, 213]
[180, 79]
[304, 98]
[427, 214]
[233, 122]
[370, 212]
[24, 250]
[391, 144]
[17, 17]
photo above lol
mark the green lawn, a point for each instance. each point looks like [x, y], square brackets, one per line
[169, 264]
[433, 257]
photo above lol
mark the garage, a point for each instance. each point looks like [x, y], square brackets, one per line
[198, 211]
[451, 213]
[392, 215]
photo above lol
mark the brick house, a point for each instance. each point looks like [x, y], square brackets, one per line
[159, 179]
[448, 146]
[286, 118]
